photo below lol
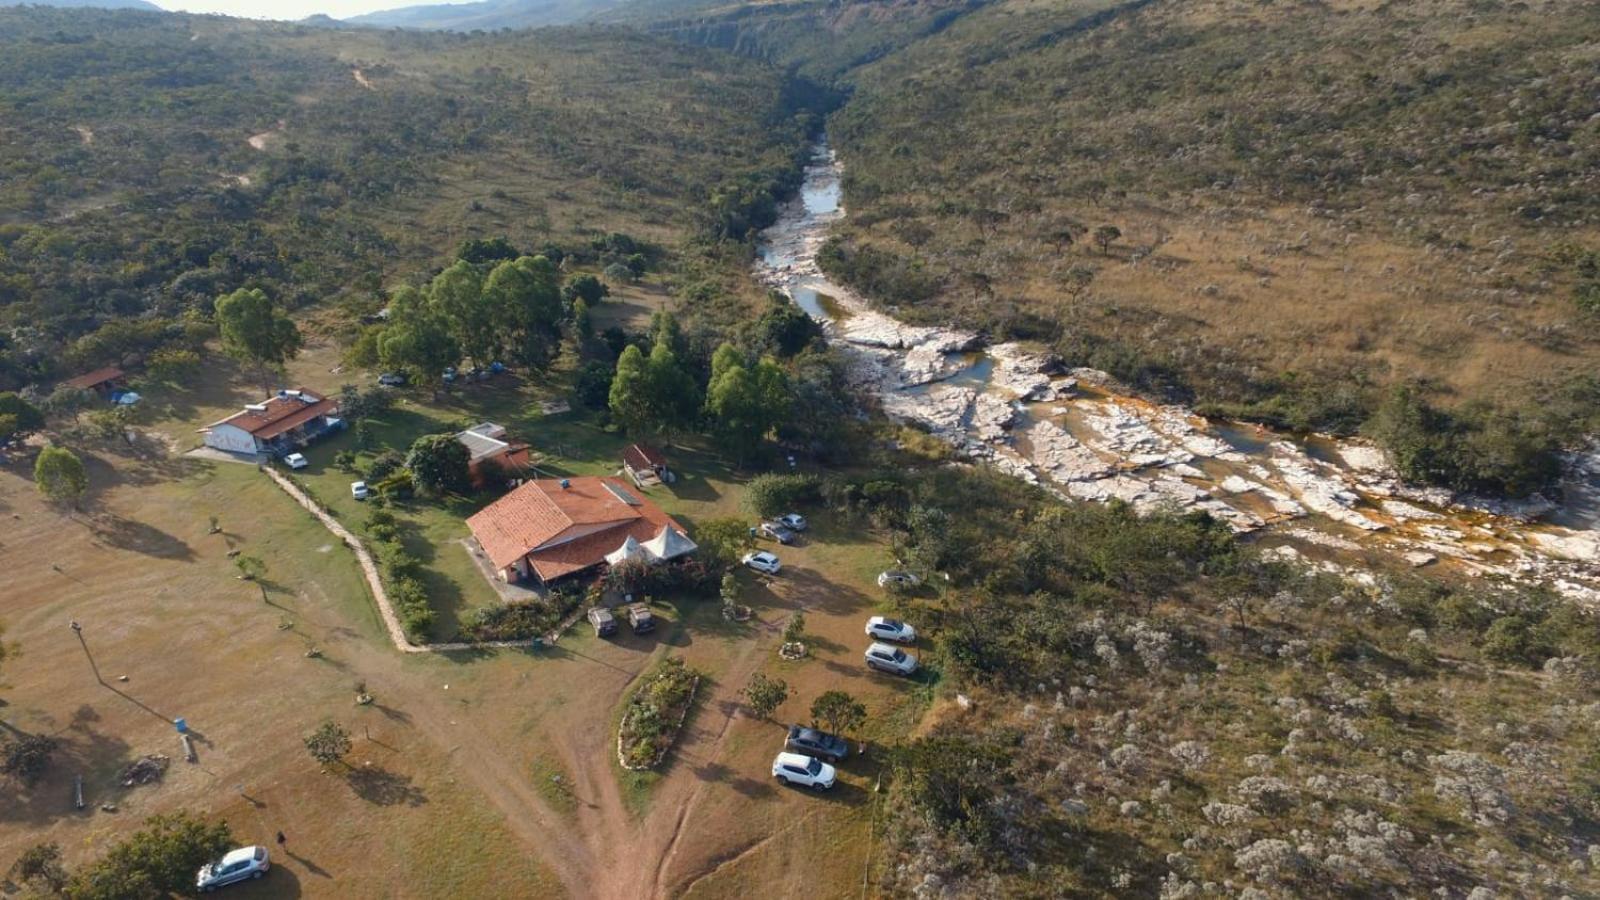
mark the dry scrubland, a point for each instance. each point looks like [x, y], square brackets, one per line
[157, 162]
[1342, 192]
[453, 792]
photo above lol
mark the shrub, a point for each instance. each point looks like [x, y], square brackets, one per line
[384, 465]
[774, 495]
[654, 712]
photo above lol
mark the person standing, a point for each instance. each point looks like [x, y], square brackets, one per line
[282, 840]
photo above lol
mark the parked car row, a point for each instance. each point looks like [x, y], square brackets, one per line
[640, 619]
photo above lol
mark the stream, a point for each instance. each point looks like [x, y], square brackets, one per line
[1320, 500]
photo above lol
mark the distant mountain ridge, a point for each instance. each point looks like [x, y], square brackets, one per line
[487, 15]
[87, 4]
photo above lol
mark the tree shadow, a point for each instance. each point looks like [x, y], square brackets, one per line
[83, 750]
[381, 787]
[693, 486]
[119, 533]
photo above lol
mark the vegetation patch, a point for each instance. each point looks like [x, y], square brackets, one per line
[654, 715]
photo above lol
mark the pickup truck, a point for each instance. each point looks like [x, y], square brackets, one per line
[640, 619]
[604, 623]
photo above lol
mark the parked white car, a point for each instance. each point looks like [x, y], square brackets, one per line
[792, 768]
[897, 579]
[243, 864]
[887, 629]
[762, 561]
[295, 461]
[793, 522]
[885, 658]
[358, 490]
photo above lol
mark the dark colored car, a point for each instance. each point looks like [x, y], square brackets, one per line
[640, 619]
[605, 624]
[777, 532]
[820, 744]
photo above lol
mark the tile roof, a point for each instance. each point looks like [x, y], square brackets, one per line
[96, 378]
[282, 413]
[640, 456]
[575, 527]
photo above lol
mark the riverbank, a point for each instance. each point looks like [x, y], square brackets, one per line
[1077, 433]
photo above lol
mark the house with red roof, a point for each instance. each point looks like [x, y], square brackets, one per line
[287, 421]
[554, 528]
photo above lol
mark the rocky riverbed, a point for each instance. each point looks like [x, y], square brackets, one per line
[1077, 433]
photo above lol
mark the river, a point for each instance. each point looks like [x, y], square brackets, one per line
[1074, 431]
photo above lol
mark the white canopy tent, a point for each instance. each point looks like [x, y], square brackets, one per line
[670, 544]
[630, 549]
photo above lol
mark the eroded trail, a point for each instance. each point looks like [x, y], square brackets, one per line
[1077, 433]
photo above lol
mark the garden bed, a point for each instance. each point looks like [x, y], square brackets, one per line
[655, 714]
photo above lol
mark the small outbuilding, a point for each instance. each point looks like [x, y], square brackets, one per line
[646, 465]
[488, 446]
[104, 381]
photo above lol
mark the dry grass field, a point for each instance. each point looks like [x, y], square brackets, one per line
[451, 789]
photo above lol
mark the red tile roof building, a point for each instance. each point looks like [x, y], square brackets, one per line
[552, 528]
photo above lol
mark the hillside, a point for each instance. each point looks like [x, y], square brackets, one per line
[487, 15]
[154, 163]
[1320, 192]
[1311, 202]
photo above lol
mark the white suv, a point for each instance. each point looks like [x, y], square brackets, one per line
[792, 768]
[887, 629]
[762, 561]
[885, 658]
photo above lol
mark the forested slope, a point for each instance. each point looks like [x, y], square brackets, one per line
[155, 162]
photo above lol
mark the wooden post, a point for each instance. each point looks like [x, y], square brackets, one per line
[77, 791]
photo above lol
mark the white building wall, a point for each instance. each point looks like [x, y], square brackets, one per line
[231, 438]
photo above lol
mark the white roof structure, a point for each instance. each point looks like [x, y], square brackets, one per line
[483, 441]
[630, 549]
[670, 544]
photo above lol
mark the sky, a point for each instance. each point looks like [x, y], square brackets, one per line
[285, 9]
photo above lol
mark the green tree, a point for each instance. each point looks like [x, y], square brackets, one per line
[722, 541]
[523, 297]
[1105, 236]
[39, 868]
[745, 405]
[585, 287]
[438, 464]
[329, 744]
[479, 251]
[417, 339]
[254, 332]
[457, 296]
[674, 398]
[25, 758]
[764, 695]
[159, 860]
[18, 417]
[630, 396]
[838, 710]
[68, 402]
[60, 476]
[664, 329]
[582, 323]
